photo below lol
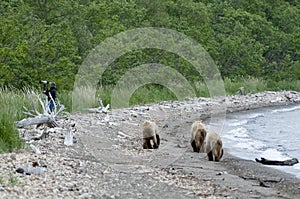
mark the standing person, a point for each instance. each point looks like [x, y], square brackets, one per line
[52, 92]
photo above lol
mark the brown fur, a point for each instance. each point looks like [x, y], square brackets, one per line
[150, 132]
[198, 134]
[213, 146]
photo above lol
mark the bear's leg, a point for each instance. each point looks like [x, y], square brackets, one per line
[210, 156]
[219, 155]
[156, 142]
[158, 139]
[218, 152]
[149, 145]
[145, 145]
[193, 143]
[222, 151]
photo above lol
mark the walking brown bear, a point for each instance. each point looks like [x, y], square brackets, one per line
[150, 132]
[198, 134]
[213, 146]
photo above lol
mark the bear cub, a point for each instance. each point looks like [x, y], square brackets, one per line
[198, 134]
[213, 146]
[150, 132]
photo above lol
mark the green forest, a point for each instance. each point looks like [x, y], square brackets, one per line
[254, 43]
[48, 40]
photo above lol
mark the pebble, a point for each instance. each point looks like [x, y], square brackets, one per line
[68, 169]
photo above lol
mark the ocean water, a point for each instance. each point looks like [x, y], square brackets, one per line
[272, 133]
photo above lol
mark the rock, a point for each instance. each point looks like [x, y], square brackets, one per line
[30, 170]
[13, 157]
[35, 149]
[20, 170]
[85, 195]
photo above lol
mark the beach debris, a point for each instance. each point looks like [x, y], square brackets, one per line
[263, 184]
[30, 170]
[289, 162]
[35, 149]
[221, 173]
[123, 135]
[68, 141]
[241, 91]
[48, 117]
[100, 109]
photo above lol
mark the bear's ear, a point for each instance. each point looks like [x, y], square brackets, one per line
[201, 121]
[145, 123]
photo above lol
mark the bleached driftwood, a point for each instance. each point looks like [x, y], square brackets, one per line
[35, 149]
[37, 118]
[100, 109]
[68, 141]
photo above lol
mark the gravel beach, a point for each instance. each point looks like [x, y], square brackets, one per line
[106, 159]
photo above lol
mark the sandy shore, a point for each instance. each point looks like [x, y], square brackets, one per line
[107, 159]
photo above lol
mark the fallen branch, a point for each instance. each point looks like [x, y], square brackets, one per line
[263, 180]
[37, 118]
[289, 162]
[100, 109]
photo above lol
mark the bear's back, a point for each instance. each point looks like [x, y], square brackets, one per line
[149, 129]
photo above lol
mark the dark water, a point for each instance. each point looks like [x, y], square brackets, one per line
[272, 133]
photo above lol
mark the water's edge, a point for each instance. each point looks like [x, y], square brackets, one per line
[251, 134]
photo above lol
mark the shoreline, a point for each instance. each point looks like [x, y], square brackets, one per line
[278, 108]
[107, 160]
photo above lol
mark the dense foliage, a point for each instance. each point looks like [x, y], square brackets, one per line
[49, 39]
[255, 44]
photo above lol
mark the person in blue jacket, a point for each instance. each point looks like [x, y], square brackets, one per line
[52, 92]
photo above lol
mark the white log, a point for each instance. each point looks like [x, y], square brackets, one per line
[37, 118]
[40, 119]
[100, 109]
[35, 149]
[68, 138]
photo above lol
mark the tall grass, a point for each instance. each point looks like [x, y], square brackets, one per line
[11, 103]
[254, 85]
[155, 93]
[151, 94]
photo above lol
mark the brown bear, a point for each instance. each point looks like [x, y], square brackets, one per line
[198, 134]
[150, 132]
[213, 146]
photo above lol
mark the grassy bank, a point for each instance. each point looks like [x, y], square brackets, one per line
[155, 93]
[12, 101]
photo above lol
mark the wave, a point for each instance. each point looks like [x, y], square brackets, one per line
[265, 134]
[274, 154]
[238, 123]
[255, 115]
[250, 145]
[236, 133]
[286, 109]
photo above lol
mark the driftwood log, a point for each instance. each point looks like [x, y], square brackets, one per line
[100, 109]
[36, 118]
[289, 162]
